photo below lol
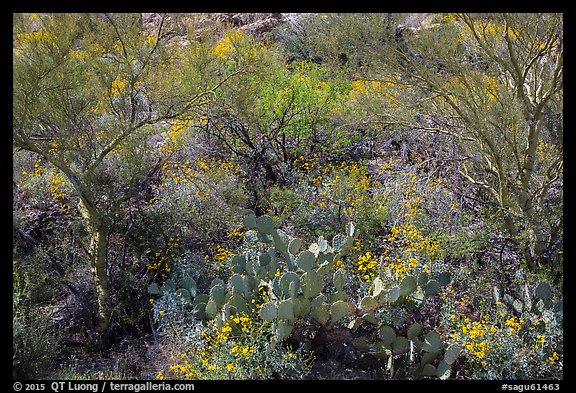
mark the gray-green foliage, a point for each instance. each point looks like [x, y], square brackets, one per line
[302, 284]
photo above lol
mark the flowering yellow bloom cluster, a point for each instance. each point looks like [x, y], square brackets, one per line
[367, 267]
[227, 44]
[164, 256]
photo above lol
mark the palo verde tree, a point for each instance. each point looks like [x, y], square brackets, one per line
[492, 83]
[94, 95]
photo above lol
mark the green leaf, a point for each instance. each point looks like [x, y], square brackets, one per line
[428, 370]
[264, 259]
[301, 306]
[211, 308]
[283, 330]
[444, 278]
[339, 279]
[238, 284]
[287, 279]
[423, 278]
[169, 285]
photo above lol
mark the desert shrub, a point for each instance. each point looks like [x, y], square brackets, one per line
[35, 342]
[509, 338]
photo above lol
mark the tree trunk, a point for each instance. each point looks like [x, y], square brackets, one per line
[97, 232]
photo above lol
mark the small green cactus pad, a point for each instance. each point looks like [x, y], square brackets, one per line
[400, 345]
[189, 284]
[301, 306]
[423, 278]
[408, 285]
[371, 318]
[339, 310]
[320, 310]
[239, 260]
[431, 288]
[443, 370]
[280, 242]
[199, 310]
[283, 330]
[312, 284]
[286, 310]
[432, 342]
[368, 303]
[295, 245]
[184, 295]
[428, 370]
[238, 302]
[428, 357]
[265, 224]
[211, 309]
[338, 242]
[306, 261]
[217, 294]
[414, 331]
[154, 289]
[387, 335]
[339, 279]
[394, 294]
[444, 278]
[361, 344]
[252, 267]
[378, 287]
[264, 259]
[543, 291]
[284, 282]
[451, 353]
[337, 296]
[268, 311]
[250, 220]
[238, 284]
[322, 244]
[169, 285]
